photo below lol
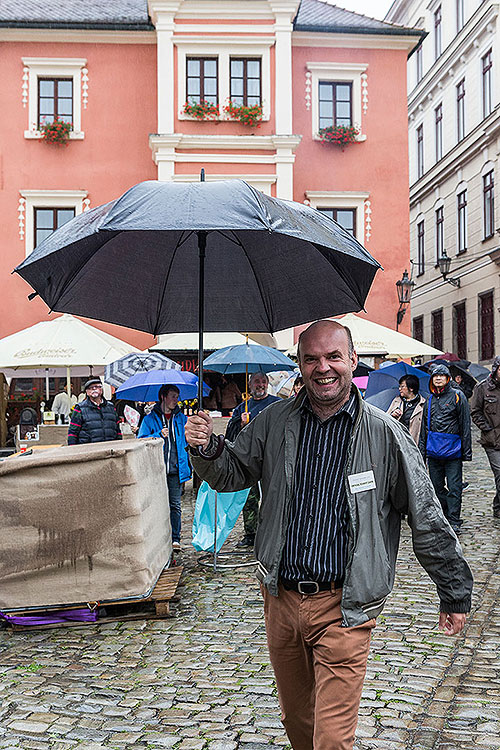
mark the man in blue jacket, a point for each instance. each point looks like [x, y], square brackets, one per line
[167, 421]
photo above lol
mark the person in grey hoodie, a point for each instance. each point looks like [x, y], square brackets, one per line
[447, 414]
[338, 475]
[485, 413]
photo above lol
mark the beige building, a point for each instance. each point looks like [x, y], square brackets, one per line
[454, 137]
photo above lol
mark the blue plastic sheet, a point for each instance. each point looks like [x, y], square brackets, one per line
[229, 507]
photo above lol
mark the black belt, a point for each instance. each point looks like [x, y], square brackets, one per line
[310, 587]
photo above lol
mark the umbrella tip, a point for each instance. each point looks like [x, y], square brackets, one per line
[202, 175]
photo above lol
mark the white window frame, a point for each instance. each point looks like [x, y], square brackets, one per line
[220, 48]
[76, 199]
[329, 71]
[262, 182]
[54, 67]
[345, 199]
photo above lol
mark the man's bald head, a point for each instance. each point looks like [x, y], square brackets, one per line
[324, 326]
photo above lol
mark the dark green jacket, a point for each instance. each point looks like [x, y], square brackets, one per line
[266, 451]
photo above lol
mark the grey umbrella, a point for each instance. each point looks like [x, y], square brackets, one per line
[150, 258]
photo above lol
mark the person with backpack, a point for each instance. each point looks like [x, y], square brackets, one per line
[445, 441]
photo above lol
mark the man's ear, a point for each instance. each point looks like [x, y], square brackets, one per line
[354, 360]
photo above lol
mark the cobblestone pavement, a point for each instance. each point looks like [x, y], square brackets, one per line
[203, 680]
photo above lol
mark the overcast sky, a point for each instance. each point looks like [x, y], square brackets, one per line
[373, 8]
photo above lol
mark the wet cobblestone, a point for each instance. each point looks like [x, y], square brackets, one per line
[202, 679]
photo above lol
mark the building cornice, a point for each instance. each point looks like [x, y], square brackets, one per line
[475, 142]
[357, 40]
[461, 45]
[73, 35]
[239, 142]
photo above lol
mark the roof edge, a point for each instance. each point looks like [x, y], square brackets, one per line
[395, 31]
[77, 25]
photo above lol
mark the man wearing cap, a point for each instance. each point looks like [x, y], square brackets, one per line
[93, 420]
[485, 413]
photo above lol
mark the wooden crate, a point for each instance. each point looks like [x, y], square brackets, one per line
[153, 607]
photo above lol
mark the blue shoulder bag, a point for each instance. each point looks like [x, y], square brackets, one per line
[442, 444]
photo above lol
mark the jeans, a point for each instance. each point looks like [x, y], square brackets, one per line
[494, 459]
[174, 497]
[251, 511]
[450, 497]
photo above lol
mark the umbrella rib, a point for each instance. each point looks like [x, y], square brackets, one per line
[235, 240]
[238, 242]
[77, 271]
[182, 239]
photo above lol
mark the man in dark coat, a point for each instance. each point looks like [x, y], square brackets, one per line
[93, 420]
[448, 412]
[485, 413]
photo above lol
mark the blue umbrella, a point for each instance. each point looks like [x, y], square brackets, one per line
[145, 386]
[383, 385]
[248, 358]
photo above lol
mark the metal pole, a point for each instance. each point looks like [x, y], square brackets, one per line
[202, 243]
[215, 535]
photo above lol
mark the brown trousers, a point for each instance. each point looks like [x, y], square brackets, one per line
[319, 667]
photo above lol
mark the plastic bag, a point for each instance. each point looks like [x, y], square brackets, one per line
[229, 507]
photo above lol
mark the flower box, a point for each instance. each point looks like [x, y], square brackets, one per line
[201, 111]
[56, 132]
[339, 135]
[250, 116]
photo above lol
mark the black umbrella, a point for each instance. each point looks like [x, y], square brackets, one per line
[147, 260]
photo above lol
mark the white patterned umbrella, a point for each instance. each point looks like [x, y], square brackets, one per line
[122, 369]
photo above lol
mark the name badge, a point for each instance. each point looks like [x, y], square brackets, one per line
[361, 482]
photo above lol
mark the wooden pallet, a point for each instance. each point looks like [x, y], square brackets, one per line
[153, 607]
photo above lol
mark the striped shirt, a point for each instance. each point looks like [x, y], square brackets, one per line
[317, 534]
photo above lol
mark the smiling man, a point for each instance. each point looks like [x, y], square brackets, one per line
[337, 476]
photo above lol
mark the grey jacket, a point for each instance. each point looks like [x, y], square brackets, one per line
[449, 413]
[266, 451]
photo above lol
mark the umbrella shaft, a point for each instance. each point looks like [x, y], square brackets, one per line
[202, 243]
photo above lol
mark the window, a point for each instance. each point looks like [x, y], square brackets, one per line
[418, 328]
[419, 62]
[439, 235]
[420, 248]
[460, 14]
[420, 151]
[486, 326]
[55, 87]
[47, 220]
[350, 209]
[42, 211]
[489, 204]
[438, 118]
[346, 217]
[460, 331]
[437, 329]
[55, 99]
[437, 33]
[461, 109]
[338, 93]
[462, 222]
[245, 82]
[201, 80]
[335, 103]
[487, 65]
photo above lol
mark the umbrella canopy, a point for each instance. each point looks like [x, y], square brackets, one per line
[478, 371]
[449, 357]
[145, 386]
[287, 262]
[383, 399]
[182, 342]
[372, 339]
[285, 386]
[388, 379]
[122, 369]
[248, 358]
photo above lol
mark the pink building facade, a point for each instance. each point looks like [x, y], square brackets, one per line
[121, 75]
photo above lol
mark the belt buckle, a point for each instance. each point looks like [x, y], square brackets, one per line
[301, 590]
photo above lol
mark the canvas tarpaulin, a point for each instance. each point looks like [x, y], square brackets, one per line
[83, 523]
